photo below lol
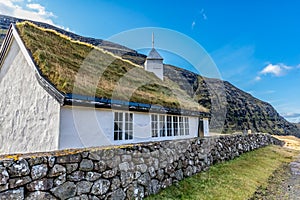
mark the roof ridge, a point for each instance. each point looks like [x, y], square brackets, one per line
[77, 41]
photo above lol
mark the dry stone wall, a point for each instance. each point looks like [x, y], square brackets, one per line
[129, 172]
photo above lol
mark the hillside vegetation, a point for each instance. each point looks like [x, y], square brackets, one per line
[243, 111]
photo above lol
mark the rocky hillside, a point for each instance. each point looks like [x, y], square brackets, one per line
[232, 109]
[242, 111]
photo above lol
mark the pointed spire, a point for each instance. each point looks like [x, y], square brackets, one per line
[152, 40]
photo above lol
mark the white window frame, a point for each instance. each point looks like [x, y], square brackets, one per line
[169, 125]
[125, 127]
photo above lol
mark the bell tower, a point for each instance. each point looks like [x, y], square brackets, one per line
[154, 62]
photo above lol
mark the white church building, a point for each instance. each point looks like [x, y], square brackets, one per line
[37, 116]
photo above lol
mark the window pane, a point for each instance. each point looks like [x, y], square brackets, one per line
[186, 126]
[128, 133]
[154, 125]
[118, 126]
[131, 117]
[162, 126]
[116, 131]
[120, 120]
[175, 125]
[169, 126]
[181, 126]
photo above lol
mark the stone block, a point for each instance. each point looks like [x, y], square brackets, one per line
[64, 191]
[100, 187]
[86, 165]
[19, 168]
[12, 194]
[42, 184]
[39, 171]
[57, 170]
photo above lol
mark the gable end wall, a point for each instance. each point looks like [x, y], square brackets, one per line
[29, 116]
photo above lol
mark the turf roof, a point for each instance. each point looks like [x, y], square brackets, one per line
[74, 67]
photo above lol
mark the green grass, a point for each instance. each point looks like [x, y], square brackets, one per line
[80, 68]
[235, 179]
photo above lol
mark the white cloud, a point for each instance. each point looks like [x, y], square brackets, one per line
[41, 10]
[204, 16]
[19, 9]
[291, 115]
[193, 24]
[276, 70]
[257, 78]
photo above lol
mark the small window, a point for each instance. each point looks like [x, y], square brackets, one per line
[123, 126]
[175, 125]
[186, 126]
[118, 127]
[128, 126]
[169, 125]
[181, 126]
[162, 121]
[154, 125]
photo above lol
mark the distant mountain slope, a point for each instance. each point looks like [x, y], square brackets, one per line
[243, 111]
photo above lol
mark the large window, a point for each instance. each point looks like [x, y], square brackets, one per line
[123, 126]
[167, 125]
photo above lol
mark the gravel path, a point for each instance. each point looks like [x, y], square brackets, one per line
[283, 185]
[293, 183]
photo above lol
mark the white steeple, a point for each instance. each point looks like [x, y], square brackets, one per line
[152, 40]
[154, 62]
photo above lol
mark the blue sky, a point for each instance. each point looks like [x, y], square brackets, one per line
[255, 44]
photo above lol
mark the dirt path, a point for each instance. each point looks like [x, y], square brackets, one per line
[290, 187]
[285, 182]
[293, 183]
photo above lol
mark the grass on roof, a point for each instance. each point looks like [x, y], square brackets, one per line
[80, 68]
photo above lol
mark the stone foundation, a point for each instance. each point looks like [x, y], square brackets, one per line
[128, 172]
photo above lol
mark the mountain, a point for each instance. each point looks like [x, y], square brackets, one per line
[232, 109]
[242, 110]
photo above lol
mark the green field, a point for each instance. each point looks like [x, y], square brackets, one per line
[236, 179]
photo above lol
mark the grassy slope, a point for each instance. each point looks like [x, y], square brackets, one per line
[236, 179]
[75, 67]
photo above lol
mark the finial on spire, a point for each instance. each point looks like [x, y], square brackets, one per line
[152, 40]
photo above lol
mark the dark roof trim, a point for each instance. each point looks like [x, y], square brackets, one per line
[6, 44]
[80, 100]
[50, 89]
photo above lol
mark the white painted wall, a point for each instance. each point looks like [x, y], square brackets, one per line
[155, 66]
[29, 116]
[86, 127]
